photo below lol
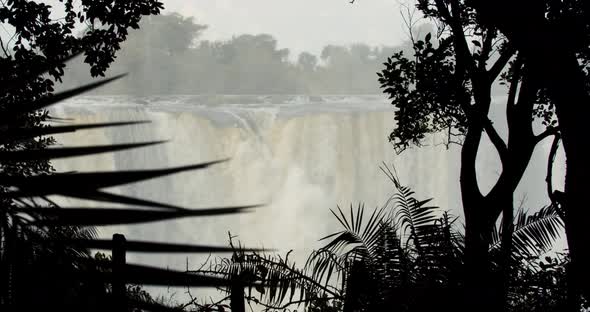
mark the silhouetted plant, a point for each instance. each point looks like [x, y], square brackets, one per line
[409, 257]
[445, 88]
[554, 39]
[39, 44]
[281, 285]
[21, 218]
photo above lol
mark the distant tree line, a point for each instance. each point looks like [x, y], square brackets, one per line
[166, 56]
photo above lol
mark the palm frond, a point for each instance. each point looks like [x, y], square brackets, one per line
[9, 114]
[278, 279]
[145, 246]
[15, 134]
[116, 216]
[44, 229]
[322, 264]
[357, 239]
[58, 184]
[54, 153]
[533, 234]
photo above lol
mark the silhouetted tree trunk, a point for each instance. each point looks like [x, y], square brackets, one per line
[485, 289]
[357, 279]
[118, 286]
[572, 107]
[550, 52]
[237, 296]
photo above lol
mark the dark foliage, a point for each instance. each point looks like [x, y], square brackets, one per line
[280, 284]
[43, 250]
[445, 88]
[409, 257]
[421, 91]
[31, 60]
[406, 256]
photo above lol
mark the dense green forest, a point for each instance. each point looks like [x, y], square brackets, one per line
[167, 56]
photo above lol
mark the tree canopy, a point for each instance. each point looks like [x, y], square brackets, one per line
[168, 56]
[446, 87]
[32, 58]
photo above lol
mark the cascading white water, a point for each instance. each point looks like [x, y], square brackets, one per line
[301, 156]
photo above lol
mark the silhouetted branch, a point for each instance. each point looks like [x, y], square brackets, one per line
[496, 140]
[547, 133]
[464, 61]
[408, 19]
[486, 49]
[513, 85]
[550, 192]
[501, 62]
[3, 48]
[284, 306]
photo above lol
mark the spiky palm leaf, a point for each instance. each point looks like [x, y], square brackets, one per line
[415, 219]
[411, 251]
[358, 244]
[369, 258]
[377, 261]
[17, 215]
[533, 234]
[360, 238]
[280, 282]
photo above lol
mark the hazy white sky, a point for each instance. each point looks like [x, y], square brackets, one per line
[299, 24]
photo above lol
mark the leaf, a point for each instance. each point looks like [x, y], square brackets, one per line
[53, 153]
[146, 275]
[13, 134]
[57, 184]
[260, 289]
[20, 81]
[119, 199]
[114, 216]
[534, 235]
[151, 306]
[147, 246]
[9, 114]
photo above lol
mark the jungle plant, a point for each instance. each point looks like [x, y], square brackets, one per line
[280, 284]
[445, 88]
[410, 256]
[25, 225]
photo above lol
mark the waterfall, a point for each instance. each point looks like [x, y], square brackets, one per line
[298, 156]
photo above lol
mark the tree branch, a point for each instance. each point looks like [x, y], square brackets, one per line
[486, 48]
[514, 82]
[496, 140]
[501, 62]
[548, 132]
[552, 153]
[284, 306]
[4, 48]
[553, 195]
[464, 60]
